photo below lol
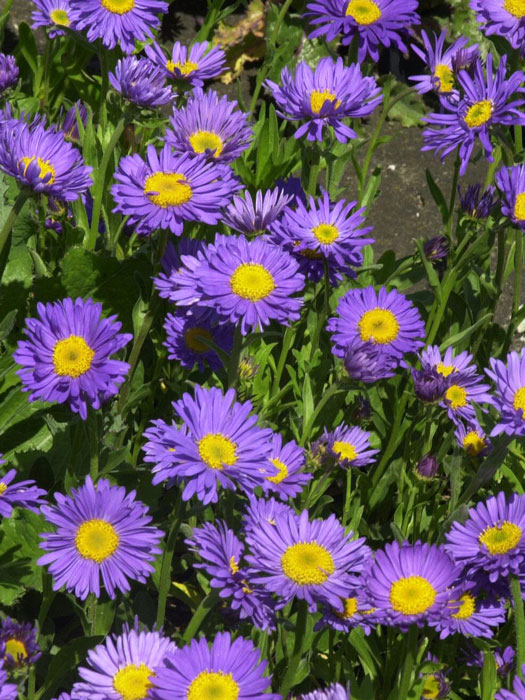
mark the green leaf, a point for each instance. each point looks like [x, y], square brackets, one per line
[19, 538]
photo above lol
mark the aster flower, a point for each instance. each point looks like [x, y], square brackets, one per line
[384, 318]
[470, 614]
[350, 446]
[21, 647]
[436, 249]
[43, 160]
[429, 384]
[293, 188]
[518, 688]
[511, 183]
[365, 362]
[209, 125]
[117, 21]
[448, 364]
[193, 65]
[492, 540]
[251, 283]
[70, 124]
[173, 264]
[463, 392]
[335, 691]
[22, 493]
[325, 96]
[54, 14]
[67, 355]
[503, 18]
[375, 22]
[288, 460]
[411, 584]
[141, 82]
[472, 438]
[217, 443]
[250, 216]
[504, 658]
[436, 684]
[427, 467]
[356, 612]
[510, 393]
[165, 190]
[100, 532]
[484, 103]
[186, 338]
[262, 510]
[8, 691]
[124, 666]
[8, 72]
[475, 204]
[312, 560]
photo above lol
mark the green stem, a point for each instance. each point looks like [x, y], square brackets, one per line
[206, 605]
[31, 683]
[285, 349]
[11, 217]
[519, 622]
[92, 613]
[518, 138]
[500, 266]
[93, 438]
[410, 657]
[518, 261]
[167, 557]
[391, 445]
[233, 368]
[327, 396]
[310, 166]
[293, 662]
[452, 202]
[348, 496]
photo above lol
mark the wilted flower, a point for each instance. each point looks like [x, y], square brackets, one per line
[436, 249]
[476, 204]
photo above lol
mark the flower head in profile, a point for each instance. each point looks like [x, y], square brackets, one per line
[141, 82]
[21, 647]
[117, 21]
[188, 339]
[357, 611]
[376, 23]
[324, 97]
[264, 510]
[335, 691]
[365, 362]
[436, 249]
[54, 14]
[70, 123]
[503, 18]
[8, 72]
[20, 493]
[191, 65]
[101, 532]
[67, 355]
[429, 385]
[477, 203]
[167, 282]
[350, 446]
[255, 216]
[511, 184]
[284, 475]
[509, 398]
[472, 438]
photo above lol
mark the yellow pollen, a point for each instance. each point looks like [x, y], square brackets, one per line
[72, 356]
[3, 487]
[432, 688]
[60, 17]
[519, 207]
[213, 685]
[519, 401]
[172, 189]
[457, 396]
[473, 443]
[467, 607]
[206, 140]
[282, 473]
[319, 97]
[445, 75]
[412, 595]
[45, 168]
[515, 7]
[349, 608]
[378, 325]
[118, 7]
[445, 370]
[500, 539]
[478, 114]
[252, 281]
[96, 540]
[326, 233]
[307, 563]
[363, 11]
[16, 649]
[193, 338]
[132, 682]
[345, 450]
[217, 451]
[185, 68]
[234, 567]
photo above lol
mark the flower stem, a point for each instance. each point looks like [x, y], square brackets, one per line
[518, 262]
[519, 622]
[452, 202]
[92, 613]
[293, 662]
[410, 657]
[167, 557]
[233, 368]
[11, 218]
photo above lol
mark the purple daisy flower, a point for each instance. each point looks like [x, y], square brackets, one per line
[21, 647]
[173, 264]
[324, 97]
[8, 691]
[261, 510]
[510, 396]
[293, 188]
[141, 82]
[124, 666]
[429, 384]
[251, 283]
[117, 21]
[193, 65]
[350, 446]
[285, 475]
[314, 560]
[469, 614]
[70, 124]
[377, 23]
[518, 686]
[22, 493]
[384, 318]
[62, 696]
[53, 14]
[218, 442]
[492, 540]
[436, 249]
[411, 584]
[100, 531]
[357, 612]
[209, 125]
[43, 160]
[427, 467]
[485, 103]
[186, 338]
[249, 216]
[67, 355]
[502, 17]
[448, 364]
[365, 362]
[511, 183]
[472, 438]
[8, 72]
[166, 189]
[475, 204]
[335, 691]
[464, 390]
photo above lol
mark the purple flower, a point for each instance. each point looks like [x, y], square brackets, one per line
[357, 612]
[172, 262]
[187, 336]
[324, 97]
[53, 14]
[503, 18]
[263, 510]
[476, 204]
[335, 691]
[284, 475]
[22, 493]
[141, 82]
[510, 393]
[250, 216]
[8, 72]
[427, 467]
[100, 532]
[518, 686]
[462, 391]
[209, 125]
[70, 124]
[511, 183]
[349, 446]
[429, 385]
[193, 65]
[448, 365]
[21, 647]
[365, 362]
[8, 691]
[472, 438]
[470, 614]
[436, 249]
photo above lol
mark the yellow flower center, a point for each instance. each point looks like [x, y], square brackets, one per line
[432, 688]
[519, 207]
[378, 325]
[307, 563]
[96, 540]
[283, 471]
[3, 487]
[519, 401]
[326, 233]
[217, 451]
[515, 7]
[445, 75]
[457, 396]
[132, 682]
[172, 189]
[72, 356]
[118, 7]
[319, 97]
[349, 608]
[252, 281]
[467, 607]
[16, 649]
[412, 595]
[445, 370]
[185, 68]
[234, 567]
[345, 450]
[193, 338]
[363, 11]
[500, 539]
[44, 165]
[478, 114]
[206, 140]
[473, 443]
[60, 17]
[213, 685]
